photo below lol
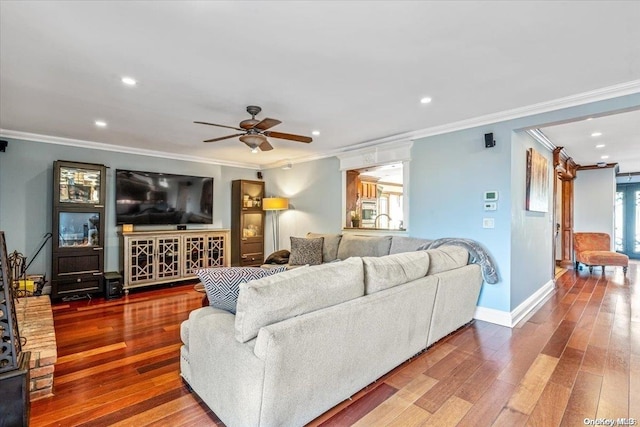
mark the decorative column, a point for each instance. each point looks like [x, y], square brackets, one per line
[566, 169]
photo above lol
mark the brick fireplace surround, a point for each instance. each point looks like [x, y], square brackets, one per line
[35, 323]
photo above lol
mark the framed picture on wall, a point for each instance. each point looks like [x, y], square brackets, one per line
[537, 196]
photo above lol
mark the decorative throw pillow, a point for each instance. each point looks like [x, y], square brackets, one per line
[222, 284]
[306, 251]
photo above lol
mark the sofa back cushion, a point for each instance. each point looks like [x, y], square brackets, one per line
[406, 244]
[385, 272]
[292, 293]
[330, 245]
[360, 246]
[447, 258]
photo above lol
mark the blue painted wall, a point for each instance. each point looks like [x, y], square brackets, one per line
[448, 176]
[314, 190]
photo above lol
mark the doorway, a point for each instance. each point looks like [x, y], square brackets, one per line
[627, 220]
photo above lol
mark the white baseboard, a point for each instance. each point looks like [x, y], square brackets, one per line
[512, 318]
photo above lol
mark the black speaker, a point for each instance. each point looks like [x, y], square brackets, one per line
[259, 174]
[181, 227]
[488, 140]
[3, 146]
[112, 285]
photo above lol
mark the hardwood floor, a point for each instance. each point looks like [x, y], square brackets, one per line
[576, 357]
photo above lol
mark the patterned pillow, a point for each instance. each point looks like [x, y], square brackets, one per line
[222, 284]
[305, 250]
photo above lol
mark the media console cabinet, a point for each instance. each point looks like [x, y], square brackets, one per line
[155, 257]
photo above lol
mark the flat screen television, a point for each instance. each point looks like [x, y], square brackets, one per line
[152, 198]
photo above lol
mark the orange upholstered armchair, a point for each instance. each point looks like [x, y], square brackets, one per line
[595, 249]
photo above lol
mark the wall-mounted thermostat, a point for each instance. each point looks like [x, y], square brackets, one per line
[490, 196]
[490, 206]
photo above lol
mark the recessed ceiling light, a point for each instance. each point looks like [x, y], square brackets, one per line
[604, 157]
[589, 118]
[596, 134]
[600, 146]
[129, 81]
[425, 100]
[315, 133]
[100, 123]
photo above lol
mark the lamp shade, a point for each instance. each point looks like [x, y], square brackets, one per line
[275, 203]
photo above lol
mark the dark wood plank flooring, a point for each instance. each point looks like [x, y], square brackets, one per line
[576, 356]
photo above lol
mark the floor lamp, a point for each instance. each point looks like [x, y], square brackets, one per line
[275, 204]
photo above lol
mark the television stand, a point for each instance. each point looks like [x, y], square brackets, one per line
[156, 257]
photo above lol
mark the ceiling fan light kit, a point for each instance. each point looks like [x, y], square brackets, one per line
[255, 133]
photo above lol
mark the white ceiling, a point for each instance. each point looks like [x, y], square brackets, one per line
[355, 70]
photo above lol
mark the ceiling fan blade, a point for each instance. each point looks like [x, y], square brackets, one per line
[223, 137]
[265, 146]
[289, 136]
[266, 124]
[220, 126]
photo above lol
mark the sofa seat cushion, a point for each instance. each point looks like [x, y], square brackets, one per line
[295, 292]
[306, 251]
[361, 246]
[447, 258]
[330, 245]
[603, 258]
[385, 272]
[222, 283]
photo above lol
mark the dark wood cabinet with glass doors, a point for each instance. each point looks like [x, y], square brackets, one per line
[78, 228]
[247, 223]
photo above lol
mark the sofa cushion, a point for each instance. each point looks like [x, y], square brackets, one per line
[447, 258]
[330, 245]
[295, 292]
[406, 244]
[306, 251]
[385, 272]
[360, 246]
[222, 284]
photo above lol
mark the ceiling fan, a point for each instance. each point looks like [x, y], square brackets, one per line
[255, 132]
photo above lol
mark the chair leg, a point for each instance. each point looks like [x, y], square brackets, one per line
[577, 264]
[624, 270]
[603, 270]
[590, 269]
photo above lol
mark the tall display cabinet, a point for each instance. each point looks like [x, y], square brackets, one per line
[78, 228]
[247, 223]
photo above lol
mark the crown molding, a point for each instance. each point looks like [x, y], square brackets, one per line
[6, 133]
[539, 136]
[609, 92]
[604, 166]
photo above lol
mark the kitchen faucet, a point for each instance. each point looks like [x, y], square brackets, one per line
[375, 221]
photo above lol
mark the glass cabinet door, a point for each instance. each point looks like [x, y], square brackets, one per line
[80, 185]
[79, 229]
[252, 195]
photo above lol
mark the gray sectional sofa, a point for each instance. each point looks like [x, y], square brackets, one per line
[306, 339]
